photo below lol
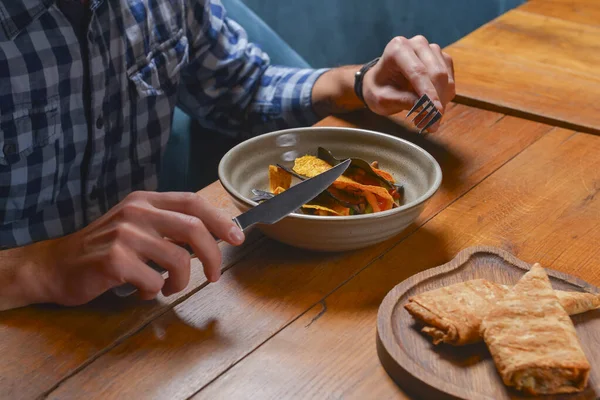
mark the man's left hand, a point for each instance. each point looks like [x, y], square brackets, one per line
[408, 69]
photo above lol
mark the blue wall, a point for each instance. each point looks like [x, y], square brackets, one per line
[338, 32]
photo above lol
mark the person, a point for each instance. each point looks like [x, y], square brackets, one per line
[87, 93]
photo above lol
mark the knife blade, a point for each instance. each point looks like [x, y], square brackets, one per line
[269, 211]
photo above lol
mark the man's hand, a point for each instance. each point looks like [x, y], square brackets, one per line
[114, 250]
[408, 69]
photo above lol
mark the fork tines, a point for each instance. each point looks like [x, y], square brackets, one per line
[429, 114]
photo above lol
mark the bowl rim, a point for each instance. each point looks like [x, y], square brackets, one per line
[382, 214]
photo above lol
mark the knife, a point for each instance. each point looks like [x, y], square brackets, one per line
[269, 211]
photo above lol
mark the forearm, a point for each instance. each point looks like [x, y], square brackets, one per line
[276, 98]
[229, 84]
[333, 92]
[19, 284]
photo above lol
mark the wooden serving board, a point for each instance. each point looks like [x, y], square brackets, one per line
[467, 372]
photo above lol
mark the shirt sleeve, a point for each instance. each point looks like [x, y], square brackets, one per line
[229, 84]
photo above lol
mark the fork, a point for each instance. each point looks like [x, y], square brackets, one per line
[430, 114]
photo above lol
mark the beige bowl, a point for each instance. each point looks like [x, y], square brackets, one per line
[246, 166]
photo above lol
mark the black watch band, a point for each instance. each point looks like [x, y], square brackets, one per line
[358, 79]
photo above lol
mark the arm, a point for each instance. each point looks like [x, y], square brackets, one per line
[18, 282]
[229, 84]
[407, 69]
[114, 249]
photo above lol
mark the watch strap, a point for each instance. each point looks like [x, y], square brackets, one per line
[358, 79]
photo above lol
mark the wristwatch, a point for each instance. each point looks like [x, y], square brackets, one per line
[358, 79]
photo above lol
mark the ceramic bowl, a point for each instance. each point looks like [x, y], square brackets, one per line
[246, 166]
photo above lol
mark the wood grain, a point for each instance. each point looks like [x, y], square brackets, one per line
[467, 372]
[534, 38]
[179, 353]
[579, 11]
[527, 90]
[43, 345]
[530, 65]
[543, 206]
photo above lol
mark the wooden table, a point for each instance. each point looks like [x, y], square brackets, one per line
[540, 61]
[285, 323]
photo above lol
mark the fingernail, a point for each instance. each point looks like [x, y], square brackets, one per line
[236, 235]
[214, 276]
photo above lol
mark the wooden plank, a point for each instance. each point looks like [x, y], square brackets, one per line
[43, 345]
[579, 11]
[528, 91]
[184, 350]
[531, 65]
[542, 206]
[531, 37]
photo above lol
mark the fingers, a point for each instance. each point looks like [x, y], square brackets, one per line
[195, 205]
[388, 100]
[446, 61]
[187, 225]
[132, 270]
[192, 230]
[151, 220]
[431, 55]
[412, 67]
[451, 80]
[166, 254]
[191, 219]
[409, 69]
[140, 230]
[436, 68]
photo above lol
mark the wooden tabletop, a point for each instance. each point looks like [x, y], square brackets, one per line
[540, 61]
[286, 323]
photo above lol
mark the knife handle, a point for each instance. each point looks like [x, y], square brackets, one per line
[128, 289]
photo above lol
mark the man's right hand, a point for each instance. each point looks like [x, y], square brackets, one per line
[114, 249]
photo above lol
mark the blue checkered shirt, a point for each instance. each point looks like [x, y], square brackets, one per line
[65, 157]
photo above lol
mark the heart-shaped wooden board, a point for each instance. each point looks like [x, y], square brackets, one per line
[468, 372]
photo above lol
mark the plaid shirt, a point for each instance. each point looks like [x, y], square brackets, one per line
[67, 158]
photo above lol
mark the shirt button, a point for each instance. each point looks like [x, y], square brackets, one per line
[99, 122]
[9, 149]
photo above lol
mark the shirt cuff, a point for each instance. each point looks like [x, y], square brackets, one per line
[284, 99]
